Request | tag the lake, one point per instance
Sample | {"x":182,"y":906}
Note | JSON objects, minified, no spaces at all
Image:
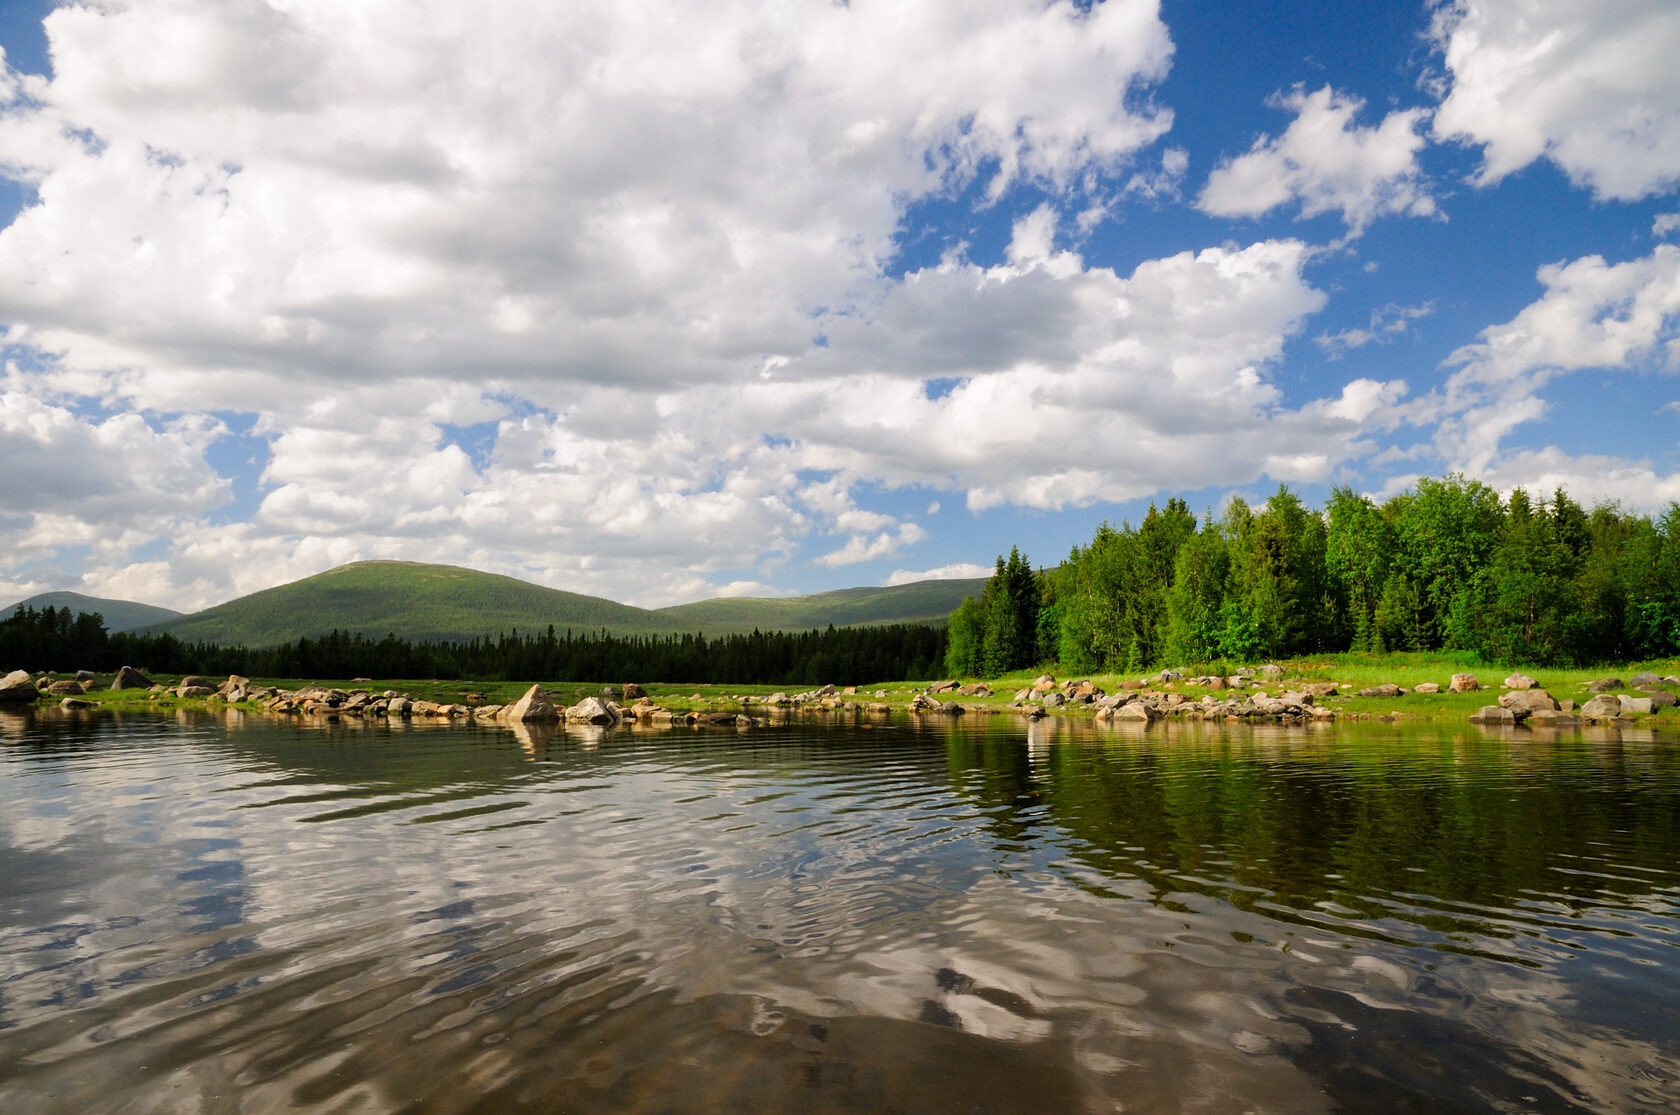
{"x":222,"y":913}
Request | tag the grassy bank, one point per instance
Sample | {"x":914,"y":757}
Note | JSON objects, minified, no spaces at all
{"x":1349,"y":671}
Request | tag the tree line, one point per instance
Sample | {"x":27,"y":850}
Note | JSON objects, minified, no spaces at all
{"x":58,"y":640}
{"x":1447,"y":565}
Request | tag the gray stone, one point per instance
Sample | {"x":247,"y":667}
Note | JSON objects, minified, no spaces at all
{"x":1493,"y":714}
{"x":85,"y":675}
{"x":195,"y":692}
{"x":130,"y":678}
{"x":1602,"y":707}
{"x":1635,"y":706}
{"x":1605,"y":685}
{"x":1662,"y":698}
{"x":535,"y":707}
{"x":1643,"y":678}
{"x":17,"y":689}
{"x":1387,"y":689}
{"x":1137,"y":712}
{"x":1523,"y":701}
{"x":591,"y":710}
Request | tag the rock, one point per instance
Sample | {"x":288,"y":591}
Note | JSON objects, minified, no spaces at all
{"x":921,"y":702}
{"x":1137,"y":712}
{"x":74,"y":703}
{"x":944,"y":687}
{"x":1635,"y":706}
{"x":1639,"y":679}
{"x":1603,"y":707}
{"x":195,"y":692}
{"x":65,"y":689}
{"x":590,"y":710}
{"x":978,"y":689}
{"x":1023,"y":695}
{"x":1271,"y":671}
{"x":193,"y":681}
{"x":1463,"y":683}
{"x":1520,"y":681}
{"x":1054,"y":700}
{"x":1524,"y":701}
{"x":1662,"y":698}
{"x":1167,"y":677}
{"x":828,"y":691}
{"x":1321,"y":689}
{"x":1428,"y":687}
{"x":535,"y":707}
{"x":130,"y":678}
{"x":399,"y":706}
{"x":1604,"y":685}
{"x":88,"y":675}
{"x":1387,"y":689}
{"x":1493,"y":714}
{"x":1044,"y":681}
{"x":1548,"y":718}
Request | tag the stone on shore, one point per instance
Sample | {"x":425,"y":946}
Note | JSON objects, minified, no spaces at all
{"x":1643,"y":678}
{"x":633,"y":692}
{"x":130,"y":678}
{"x":1428,"y":687}
{"x":1662,"y":698}
{"x":1137,"y":712}
{"x":65,"y":689}
{"x":1604,"y":685}
{"x":1387,"y":689}
{"x":1605,"y":706}
{"x":1524,"y":701}
{"x":1463,"y":683}
{"x":74,"y":704}
{"x":535,"y":707}
{"x":1520,"y":681}
{"x":18,"y":688}
{"x":1635,"y":706}
{"x":590,"y":710}
{"x":1494,"y":715}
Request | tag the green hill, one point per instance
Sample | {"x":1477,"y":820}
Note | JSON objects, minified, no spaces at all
{"x":120,"y":615}
{"x":417,"y":601}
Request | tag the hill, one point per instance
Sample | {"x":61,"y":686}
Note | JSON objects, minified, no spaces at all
{"x":444,"y":602}
{"x":120,"y":615}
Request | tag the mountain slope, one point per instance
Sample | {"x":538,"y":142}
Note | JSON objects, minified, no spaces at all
{"x":120,"y":615}
{"x":416,"y":601}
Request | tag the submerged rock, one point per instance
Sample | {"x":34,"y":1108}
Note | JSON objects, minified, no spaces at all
{"x":1493,"y":714}
{"x":591,"y":710}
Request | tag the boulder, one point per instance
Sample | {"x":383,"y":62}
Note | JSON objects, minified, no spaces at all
{"x":1271,"y":671}
{"x":88,"y":675}
{"x":1463,"y":683}
{"x":1054,"y":699}
{"x":590,"y":710}
{"x":633,"y":692}
{"x":65,"y":689}
{"x":1603,"y":707}
{"x":1428,"y":687}
{"x":72,"y":704}
{"x":1493,"y":714}
{"x":194,"y":692}
{"x":1137,"y":712}
{"x":18,"y":688}
{"x":1643,"y":678}
{"x":193,"y":681}
{"x":1662,"y":698}
{"x":921,"y":702}
{"x":944,"y":687}
{"x":130,"y":678}
{"x":1524,"y":701}
{"x":1320,"y":689}
{"x":1167,"y":677}
{"x":1387,"y":689}
{"x":1635,"y":706}
{"x":1605,"y":685}
{"x":234,"y":684}
{"x":1549,"y":718}
{"x":1520,"y":681}
{"x":535,"y":707}
{"x":978,"y":689}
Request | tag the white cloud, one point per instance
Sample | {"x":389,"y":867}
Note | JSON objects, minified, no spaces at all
{"x":861,"y":548}
{"x":961,"y":571}
{"x":1329,"y":164}
{"x":1593,"y":87}
{"x":1665,"y":223}
{"x":1387,"y":323}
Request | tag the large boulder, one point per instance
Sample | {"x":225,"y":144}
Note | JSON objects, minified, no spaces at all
{"x":18,"y":688}
{"x":1520,"y":681}
{"x":1137,"y":712}
{"x":1604,"y":685}
{"x":535,"y":707}
{"x":65,"y":689}
{"x":1643,"y":678}
{"x":1387,"y":689}
{"x":1494,"y":715}
{"x":1603,"y":707}
{"x":1463,"y":683}
{"x":130,"y":678}
{"x":633,"y":692}
{"x":1524,"y":701}
{"x":590,"y":710}
{"x":1635,"y":706}
{"x":1662,"y":698}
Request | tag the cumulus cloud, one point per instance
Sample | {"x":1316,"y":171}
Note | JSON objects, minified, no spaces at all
{"x":960,"y":571}
{"x":1593,"y":87}
{"x":1328,"y":163}
{"x":1387,"y":323}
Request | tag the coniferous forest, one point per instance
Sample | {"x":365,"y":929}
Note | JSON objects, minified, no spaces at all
{"x":55,"y":639}
{"x":1447,"y":565}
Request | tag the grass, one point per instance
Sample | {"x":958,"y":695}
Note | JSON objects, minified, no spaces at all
{"x":1350,"y":671}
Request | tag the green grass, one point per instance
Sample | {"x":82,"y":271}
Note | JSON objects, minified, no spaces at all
{"x":441,"y":602}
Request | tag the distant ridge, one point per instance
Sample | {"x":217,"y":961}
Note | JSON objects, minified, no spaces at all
{"x":120,"y":615}
{"x":417,"y":601}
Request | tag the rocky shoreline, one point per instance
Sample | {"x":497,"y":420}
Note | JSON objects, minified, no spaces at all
{"x":1261,"y":694}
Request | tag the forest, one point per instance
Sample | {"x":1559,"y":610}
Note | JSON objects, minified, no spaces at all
{"x":1447,"y":565}
{"x":55,"y":639}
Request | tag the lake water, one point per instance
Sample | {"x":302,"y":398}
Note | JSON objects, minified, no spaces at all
{"x":214,"y":914}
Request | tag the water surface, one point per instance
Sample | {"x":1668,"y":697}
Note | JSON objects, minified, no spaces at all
{"x":230,"y":914}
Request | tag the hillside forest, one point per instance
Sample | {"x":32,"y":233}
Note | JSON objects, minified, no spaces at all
{"x":1447,"y":565}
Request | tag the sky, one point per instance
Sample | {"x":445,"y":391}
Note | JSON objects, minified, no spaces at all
{"x":665,"y":301}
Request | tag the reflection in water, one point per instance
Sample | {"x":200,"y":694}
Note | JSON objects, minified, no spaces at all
{"x":209,"y":913}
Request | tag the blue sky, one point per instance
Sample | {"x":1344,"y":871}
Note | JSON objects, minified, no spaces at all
{"x":660,"y":304}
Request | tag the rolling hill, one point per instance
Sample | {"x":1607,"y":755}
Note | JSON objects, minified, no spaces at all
{"x":417,"y":601}
{"x":120,"y":615}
